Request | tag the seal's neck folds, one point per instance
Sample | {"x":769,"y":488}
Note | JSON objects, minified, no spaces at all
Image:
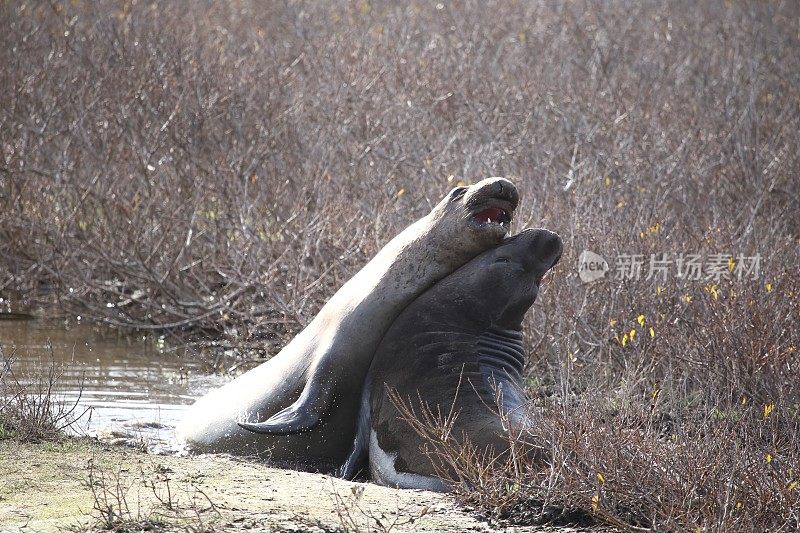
{"x":501,"y":357}
{"x":501,"y":352}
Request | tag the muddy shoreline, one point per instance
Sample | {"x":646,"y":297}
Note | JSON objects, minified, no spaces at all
{"x":86,"y":485}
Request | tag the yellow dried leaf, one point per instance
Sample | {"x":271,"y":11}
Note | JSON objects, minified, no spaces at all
{"x":712,"y":289}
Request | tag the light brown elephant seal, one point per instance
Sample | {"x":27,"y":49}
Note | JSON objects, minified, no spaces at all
{"x":451,"y":350}
{"x":320,"y":373}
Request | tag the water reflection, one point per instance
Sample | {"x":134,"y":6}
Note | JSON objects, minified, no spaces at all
{"x":133,"y":389}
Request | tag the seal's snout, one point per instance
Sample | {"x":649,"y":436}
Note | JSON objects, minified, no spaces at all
{"x":505,"y":190}
{"x":546,"y":248}
{"x":494,"y":189}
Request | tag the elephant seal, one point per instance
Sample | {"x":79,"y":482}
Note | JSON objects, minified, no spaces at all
{"x":316,"y":374}
{"x":451,"y":351}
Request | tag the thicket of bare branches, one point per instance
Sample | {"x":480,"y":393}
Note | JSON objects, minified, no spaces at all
{"x":224,"y":167}
{"x":33,"y":408}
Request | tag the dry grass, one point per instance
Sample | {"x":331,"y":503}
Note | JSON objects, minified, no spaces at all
{"x":33,"y":407}
{"x":150,"y":500}
{"x":633,"y":468}
{"x":225,"y":167}
{"x":356,"y":517}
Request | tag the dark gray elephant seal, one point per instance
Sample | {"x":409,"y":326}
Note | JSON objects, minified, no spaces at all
{"x":318,"y":373}
{"x":451,"y":350}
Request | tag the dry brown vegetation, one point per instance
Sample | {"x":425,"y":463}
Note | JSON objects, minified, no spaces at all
{"x":33,"y":408}
{"x":224,"y":167}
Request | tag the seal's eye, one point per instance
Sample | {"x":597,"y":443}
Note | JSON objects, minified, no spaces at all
{"x":457,"y":193}
{"x":502,"y":260}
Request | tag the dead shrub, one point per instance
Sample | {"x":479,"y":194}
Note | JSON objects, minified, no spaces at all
{"x":32,"y":407}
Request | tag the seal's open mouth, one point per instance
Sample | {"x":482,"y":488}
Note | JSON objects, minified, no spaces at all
{"x":493,"y":215}
{"x":490,"y":207}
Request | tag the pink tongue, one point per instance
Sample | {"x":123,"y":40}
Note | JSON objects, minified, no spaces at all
{"x":489,"y":215}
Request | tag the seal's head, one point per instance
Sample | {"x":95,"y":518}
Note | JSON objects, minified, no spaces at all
{"x":500,"y":285}
{"x":476,"y":217}
{"x":521,"y":263}
{"x":513,"y":273}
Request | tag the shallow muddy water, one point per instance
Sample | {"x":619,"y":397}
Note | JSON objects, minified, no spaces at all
{"x":133,"y":390}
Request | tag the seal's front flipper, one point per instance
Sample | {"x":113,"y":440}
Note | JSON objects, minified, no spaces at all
{"x":286,"y":422}
{"x":303,"y":415}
